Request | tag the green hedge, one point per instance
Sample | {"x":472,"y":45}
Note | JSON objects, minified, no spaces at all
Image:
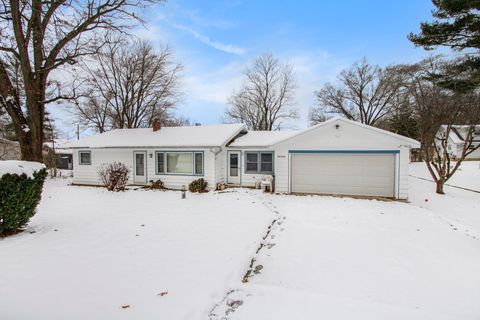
{"x":19,"y":196}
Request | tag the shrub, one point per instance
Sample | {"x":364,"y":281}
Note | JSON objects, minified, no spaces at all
{"x":114,"y":176}
{"x":199,"y":185}
{"x":19,"y":196}
{"x":156,"y":184}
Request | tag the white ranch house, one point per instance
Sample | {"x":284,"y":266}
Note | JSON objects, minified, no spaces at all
{"x":338,"y":156}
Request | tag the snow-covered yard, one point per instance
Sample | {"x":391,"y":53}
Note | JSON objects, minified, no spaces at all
{"x":335,"y":258}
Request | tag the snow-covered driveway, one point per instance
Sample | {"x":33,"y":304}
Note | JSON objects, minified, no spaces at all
{"x":95,"y":251}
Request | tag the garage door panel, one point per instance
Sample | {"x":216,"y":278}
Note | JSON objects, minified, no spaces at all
{"x":347,"y":174}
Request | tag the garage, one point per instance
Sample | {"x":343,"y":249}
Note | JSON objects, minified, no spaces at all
{"x":344,"y":172}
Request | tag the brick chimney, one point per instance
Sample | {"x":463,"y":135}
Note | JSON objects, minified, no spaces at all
{"x":156,"y":125}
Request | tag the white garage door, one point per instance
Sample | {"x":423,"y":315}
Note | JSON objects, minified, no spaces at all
{"x":344,"y":174}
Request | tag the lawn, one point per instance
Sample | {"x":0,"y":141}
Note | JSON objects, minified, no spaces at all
{"x":89,"y":252}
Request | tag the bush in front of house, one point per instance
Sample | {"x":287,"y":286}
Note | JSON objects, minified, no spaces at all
{"x":156,"y":184}
{"x":19,"y":196}
{"x":114,"y":176}
{"x":199,"y":185}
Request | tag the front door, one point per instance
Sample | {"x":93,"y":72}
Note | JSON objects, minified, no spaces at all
{"x":140,"y":167}
{"x":233,"y":167}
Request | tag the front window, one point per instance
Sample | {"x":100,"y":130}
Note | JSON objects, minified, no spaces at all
{"x":259,"y":162}
{"x":85,"y":157}
{"x":189,"y":163}
{"x":178,"y":162}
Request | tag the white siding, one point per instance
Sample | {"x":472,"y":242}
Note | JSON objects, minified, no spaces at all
{"x":348,"y":136}
{"x":88,"y":174}
{"x":221,"y":166}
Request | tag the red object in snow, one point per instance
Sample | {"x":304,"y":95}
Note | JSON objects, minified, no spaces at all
{"x":426,"y":200}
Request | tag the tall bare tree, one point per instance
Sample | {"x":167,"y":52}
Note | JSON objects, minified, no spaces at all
{"x":267,"y":95}
{"x":129,"y":85}
{"x":438,"y":109}
{"x":365,"y":93}
{"x":43,"y":36}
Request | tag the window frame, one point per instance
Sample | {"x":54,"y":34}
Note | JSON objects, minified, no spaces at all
{"x":163,"y":153}
{"x":259,"y":162}
{"x":80,"y":157}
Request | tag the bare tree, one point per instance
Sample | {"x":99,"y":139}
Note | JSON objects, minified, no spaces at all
{"x":317,"y":115}
{"x":266,"y":98}
{"x":438,"y":110}
{"x":129,"y":86}
{"x":365,"y":93}
{"x":43,"y":36}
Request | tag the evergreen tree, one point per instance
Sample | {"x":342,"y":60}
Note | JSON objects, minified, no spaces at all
{"x":456,"y":25}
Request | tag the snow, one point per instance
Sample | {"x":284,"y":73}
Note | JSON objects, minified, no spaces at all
{"x":192,"y":136}
{"x":467,"y":175}
{"x":20,"y":167}
{"x":324,"y":257}
{"x":263,"y":138}
{"x":94,"y":251}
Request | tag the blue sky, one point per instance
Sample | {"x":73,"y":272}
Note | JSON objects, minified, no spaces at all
{"x":215,"y":40}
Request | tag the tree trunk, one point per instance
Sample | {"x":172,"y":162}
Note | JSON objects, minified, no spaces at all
{"x":440,"y":184}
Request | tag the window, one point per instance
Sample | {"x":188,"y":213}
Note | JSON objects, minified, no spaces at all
{"x":266,"y":162}
{"x":198,"y":163}
{"x":179,"y":162}
{"x":85,"y":157}
{"x":259,"y":162}
{"x":160,"y":162}
{"x":189,"y":163}
{"x":252,"y":162}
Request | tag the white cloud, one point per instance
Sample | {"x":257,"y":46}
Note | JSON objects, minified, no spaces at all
{"x":228,"y":48}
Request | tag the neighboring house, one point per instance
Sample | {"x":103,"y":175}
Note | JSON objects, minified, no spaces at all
{"x":456,"y":141}
{"x":9,"y":150}
{"x":338,"y":156}
{"x":63,"y":154}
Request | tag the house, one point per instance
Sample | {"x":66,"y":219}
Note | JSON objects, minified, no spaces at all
{"x":338,"y":156}
{"x":456,"y":140}
{"x":63,"y":154}
{"x":9,"y":150}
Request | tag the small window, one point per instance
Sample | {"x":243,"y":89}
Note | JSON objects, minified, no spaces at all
{"x":266,"y":162}
{"x":252,"y":162}
{"x":160,"y":162}
{"x":199,"y":163}
{"x":85,"y":157}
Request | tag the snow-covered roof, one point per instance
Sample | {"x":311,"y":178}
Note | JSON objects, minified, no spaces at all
{"x":262,"y":138}
{"x":19,"y":167}
{"x":411,"y":142}
{"x":190,"y":136}
{"x":61,"y":146}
